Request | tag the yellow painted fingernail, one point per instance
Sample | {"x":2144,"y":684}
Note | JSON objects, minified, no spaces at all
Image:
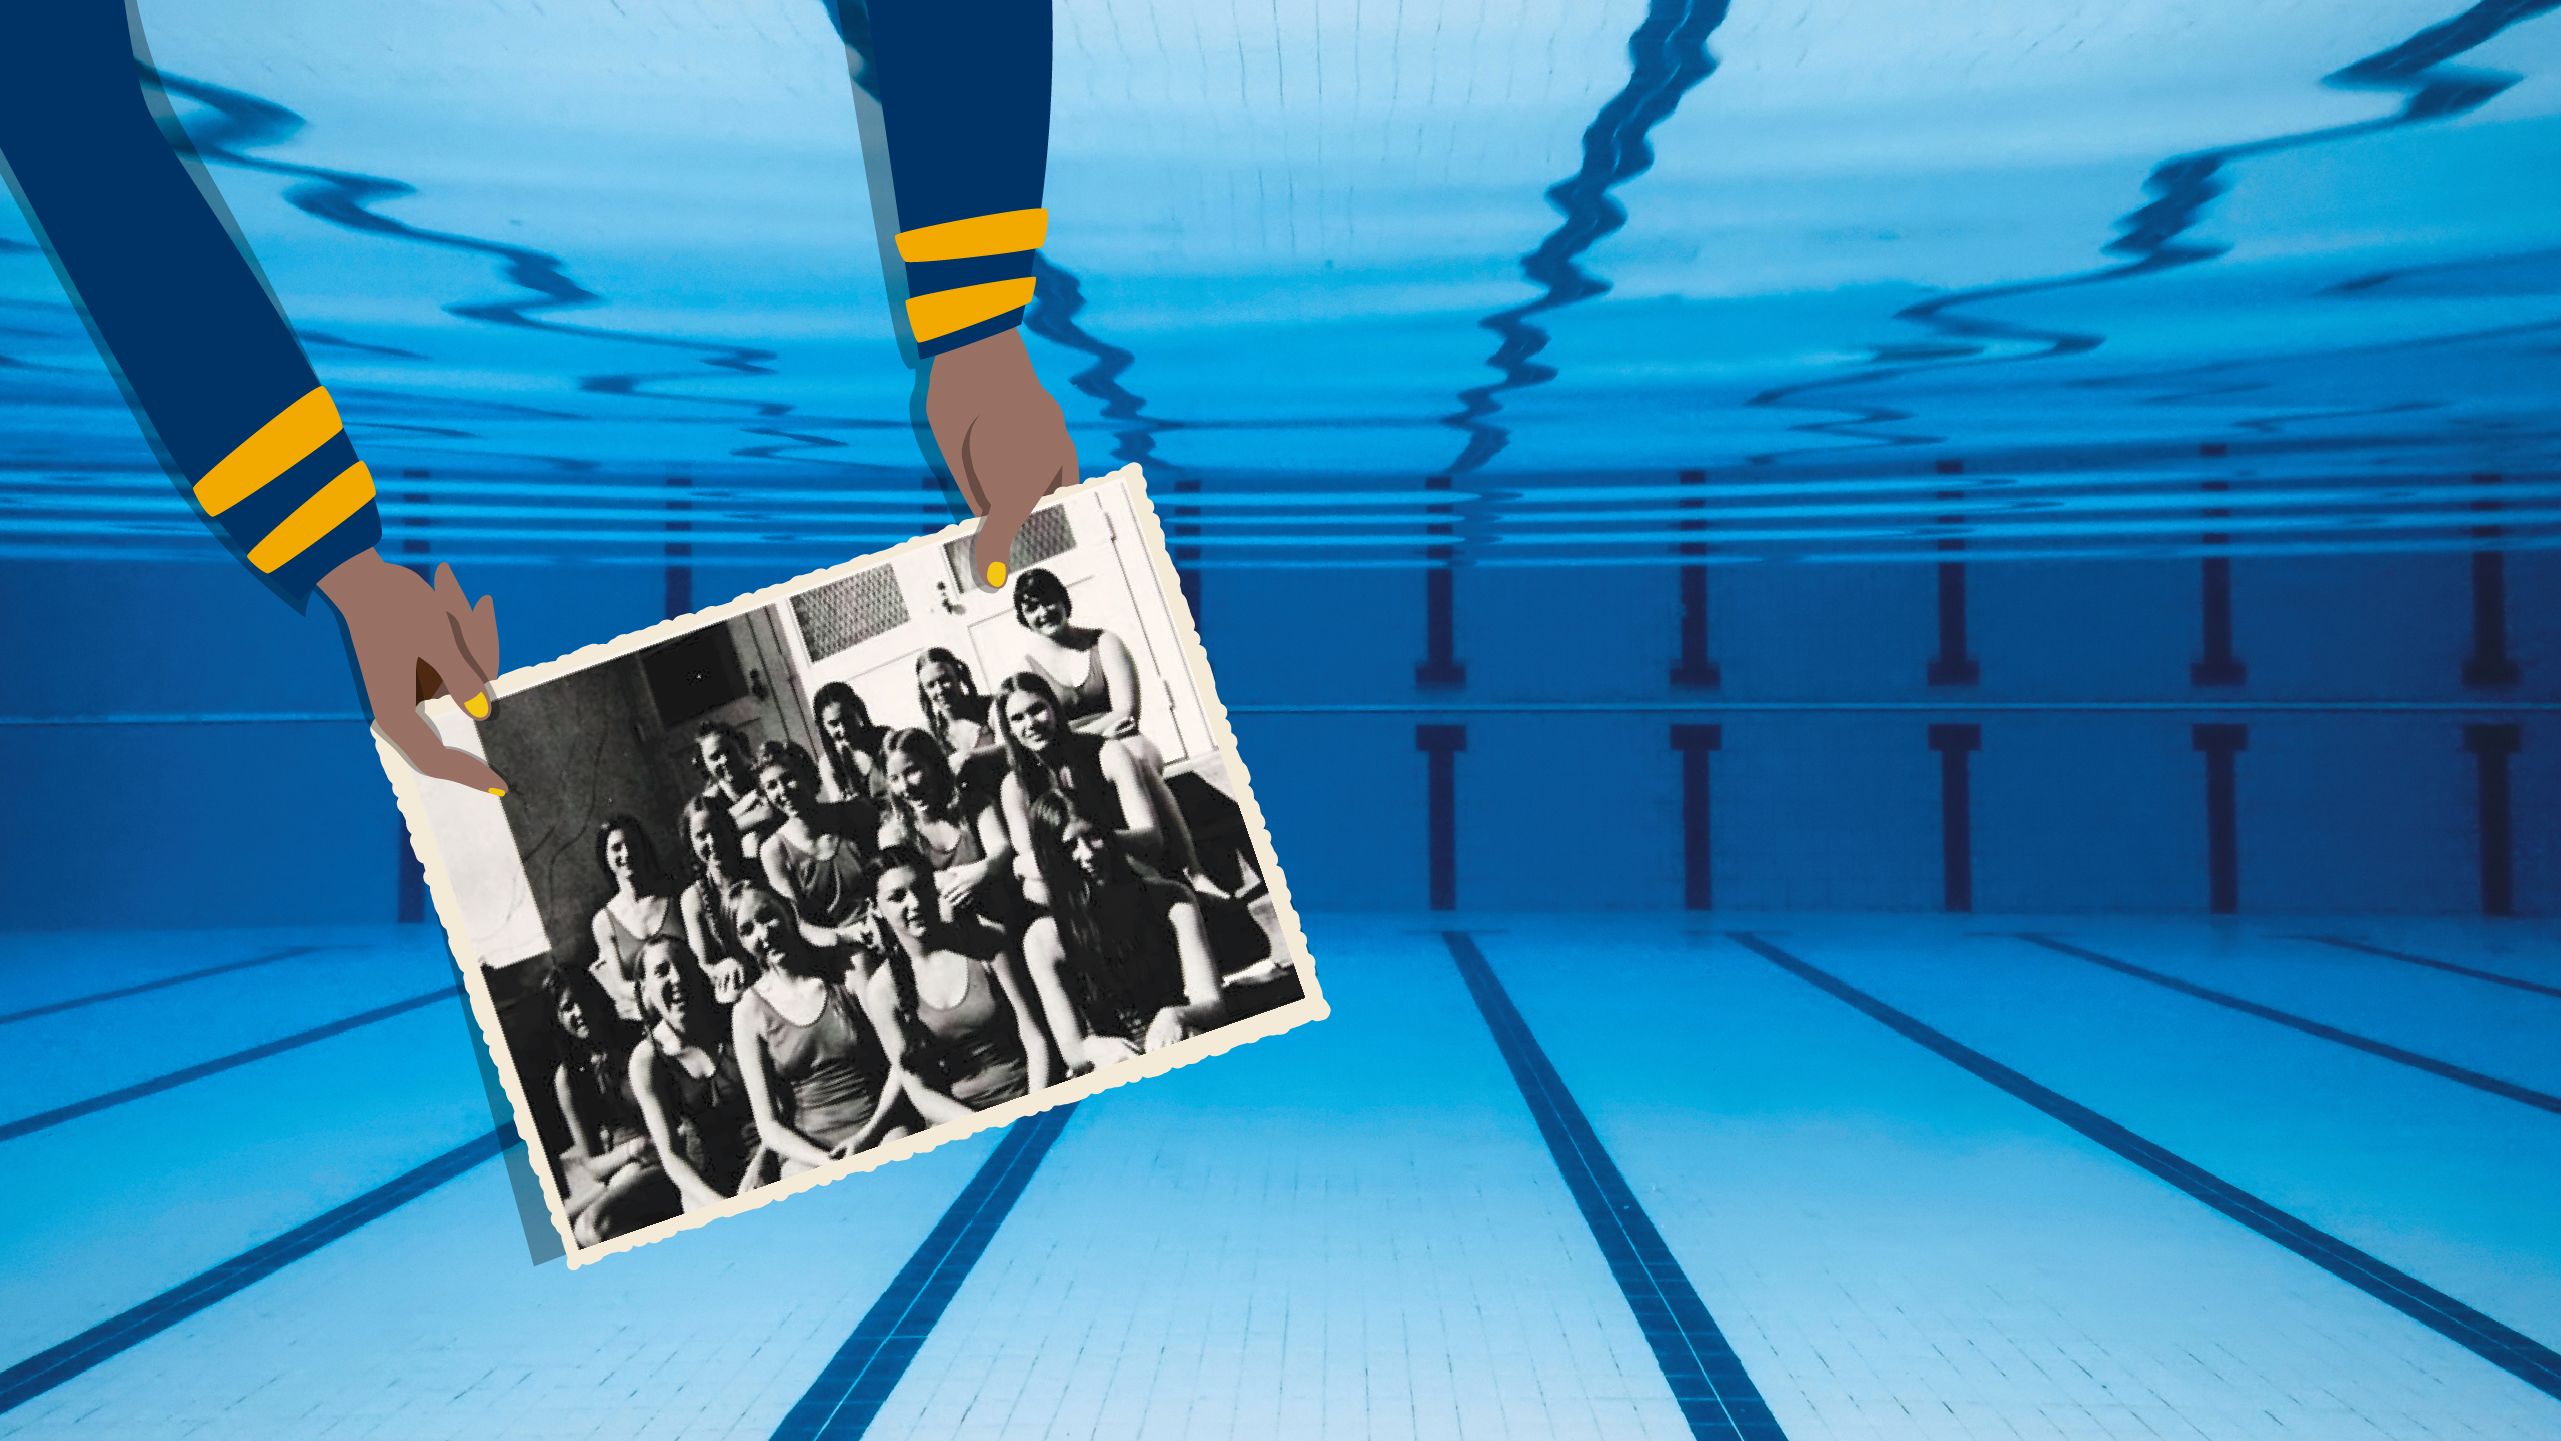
{"x":499,"y":791}
{"x":995,"y":573}
{"x":478,"y":706}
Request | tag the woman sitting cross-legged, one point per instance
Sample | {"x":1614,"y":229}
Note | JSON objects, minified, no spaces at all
{"x":963,"y":1032}
{"x":1122,"y":961}
{"x":610,"y":1175}
{"x":684,"y":1074}
{"x":819,"y":1076}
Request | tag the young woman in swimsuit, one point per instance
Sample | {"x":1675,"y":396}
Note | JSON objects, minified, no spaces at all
{"x":1122,"y":961}
{"x":720,"y":861}
{"x":819,"y":858}
{"x":729,"y":777}
{"x":643,"y":905}
{"x":819,"y":1076}
{"x":1091,"y":669}
{"x":962,"y":1030}
{"x":963,"y":839}
{"x":610,"y":1174}
{"x":684,"y":1074}
{"x":1102,"y":775}
{"x":848,"y":742}
{"x":947,"y":696}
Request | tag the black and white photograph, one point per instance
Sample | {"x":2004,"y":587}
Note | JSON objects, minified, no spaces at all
{"x":844,"y":869}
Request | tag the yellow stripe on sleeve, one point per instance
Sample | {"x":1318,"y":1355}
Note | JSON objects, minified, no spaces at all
{"x":1003,"y":233}
{"x":944,"y":311}
{"x":280,"y":444}
{"x":352,"y":491}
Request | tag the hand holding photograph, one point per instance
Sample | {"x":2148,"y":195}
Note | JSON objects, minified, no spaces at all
{"x":856,"y":865}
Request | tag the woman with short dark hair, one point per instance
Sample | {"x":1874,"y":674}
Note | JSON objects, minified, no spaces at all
{"x":684,"y":1075}
{"x":642,"y":906}
{"x":610,"y":1177}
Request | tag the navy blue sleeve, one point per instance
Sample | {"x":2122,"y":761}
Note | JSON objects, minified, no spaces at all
{"x":212,"y":371}
{"x":964,"y":99}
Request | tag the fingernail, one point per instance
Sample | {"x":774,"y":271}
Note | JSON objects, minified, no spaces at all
{"x":499,"y":791}
{"x":995,"y":573}
{"x":478,"y":706}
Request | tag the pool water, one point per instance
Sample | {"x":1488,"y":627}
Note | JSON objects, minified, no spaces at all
{"x":1905,"y":657}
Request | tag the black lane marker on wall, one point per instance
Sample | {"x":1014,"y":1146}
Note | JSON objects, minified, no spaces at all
{"x":122,"y":1332}
{"x":2491,"y":745}
{"x":1696,"y":743}
{"x":1440,"y":745}
{"x":2219,"y":665}
{"x":2489,"y":665}
{"x":1956,"y":745}
{"x":1952,"y":666}
{"x":2446,"y":1070}
{"x":2220,"y":745}
{"x":679,"y":595}
{"x":2510,"y":1350}
{"x":847,"y":1396}
{"x":264,"y":958}
{"x":2495,"y":978}
{"x":1694,"y":670}
{"x":1441,"y":668}
{"x":1716,"y":1394}
{"x":47,"y":1120}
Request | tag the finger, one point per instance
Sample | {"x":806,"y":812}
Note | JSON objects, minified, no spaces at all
{"x":416,"y":741}
{"x":462,"y":677}
{"x":478,"y":628}
{"x":1009,"y":503}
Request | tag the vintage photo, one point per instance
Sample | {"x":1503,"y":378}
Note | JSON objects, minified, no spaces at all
{"x":853,"y":866}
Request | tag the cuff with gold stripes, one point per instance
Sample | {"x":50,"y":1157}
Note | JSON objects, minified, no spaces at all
{"x":969,"y":279}
{"x":293,"y":497}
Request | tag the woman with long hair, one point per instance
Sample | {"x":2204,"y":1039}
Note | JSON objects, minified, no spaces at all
{"x":961,"y":837}
{"x":610,"y":1178}
{"x":962,"y":1030}
{"x":958,"y":716}
{"x":1104,"y":779}
{"x":642,"y":906}
{"x":1122,"y":960}
{"x":720,"y":861}
{"x":818,"y":1073}
{"x":819,"y":858}
{"x":1104,"y":694}
{"x":848,"y":743}
{"x":684,"y":1075}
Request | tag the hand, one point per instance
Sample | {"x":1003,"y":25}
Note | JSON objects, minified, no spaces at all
{"x":411,"y":641}
{"x":959,"y":887}
{"x":728,"y":979}
{"x":1166,"y":1029}
{"x":1108,"y":1051}
{"x":1002,"y":436}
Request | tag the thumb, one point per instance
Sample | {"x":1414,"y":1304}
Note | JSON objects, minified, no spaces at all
{"x":1009,"y":504}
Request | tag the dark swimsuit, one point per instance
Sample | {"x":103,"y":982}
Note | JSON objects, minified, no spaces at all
{"x":1151,"y":979}
{"x":715,"y":1125}
{"x":981,"y":1054}
{"x":834,"y":1066}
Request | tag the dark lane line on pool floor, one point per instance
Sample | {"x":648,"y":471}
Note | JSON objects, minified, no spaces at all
{"x":2447,"y":1070}
{"x":2496,"y":978}
{"x":848,"y":1393}
{"x":2502,"y":1346}
{"x":268,"y":958}
{"x":53,"y":1366}
{"x":46,"y":1120}
{"x":1716,"y":1394}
